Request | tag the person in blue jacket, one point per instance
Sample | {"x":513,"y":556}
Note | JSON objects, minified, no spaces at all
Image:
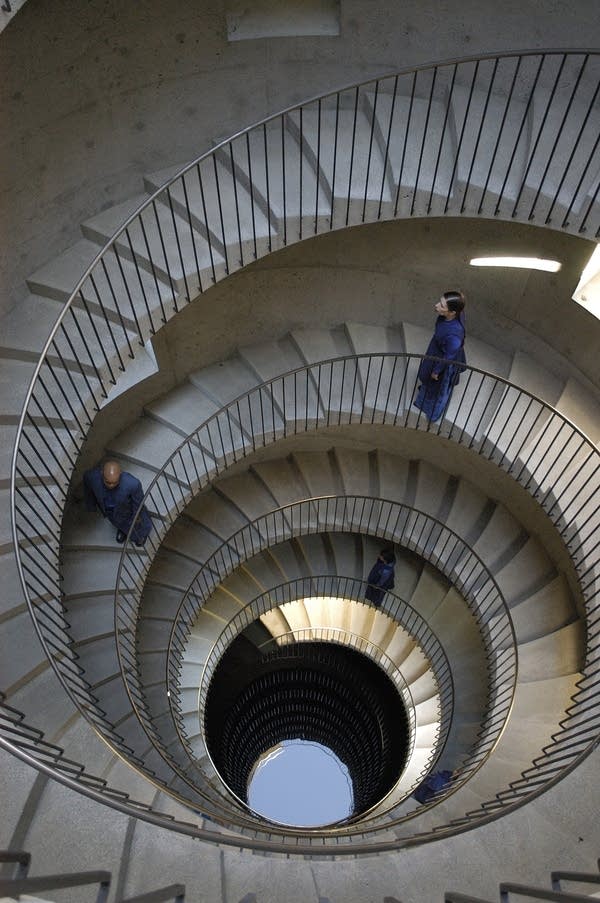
{"x":117,"y":495}
{"x":438,"y":378}
{"x":381,"y":577}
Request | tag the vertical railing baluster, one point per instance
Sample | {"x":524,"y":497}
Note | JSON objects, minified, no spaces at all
{"x":370,"y":151}
{"x":386,"y":156}
{"x":221,"y":216}
{"x":461,"y":137}
{"x":557,"y":139}
{"x":482,"y":121}
{"x":335,"y":149}
{"x":206,"y":220}
{"x":424,"y":139}
{"x":352,"y":149}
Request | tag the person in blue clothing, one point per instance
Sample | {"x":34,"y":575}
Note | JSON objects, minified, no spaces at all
{"x":438,"y":378}
{"x":381,"y":577}
{"x":432,"y":784}
{"x":117,"y":495}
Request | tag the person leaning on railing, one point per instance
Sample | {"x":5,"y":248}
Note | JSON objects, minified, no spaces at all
{"x":117,"y":495}
{"x":438,"y":377}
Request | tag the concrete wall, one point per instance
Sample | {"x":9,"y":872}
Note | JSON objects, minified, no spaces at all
{"x":95,"y":94}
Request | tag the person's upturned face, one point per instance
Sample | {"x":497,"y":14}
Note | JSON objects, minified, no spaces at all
{"x":111,"y":475}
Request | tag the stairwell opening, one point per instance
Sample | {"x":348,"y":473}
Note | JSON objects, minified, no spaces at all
{"x":301,"y":783}
{"x":317,"y":692}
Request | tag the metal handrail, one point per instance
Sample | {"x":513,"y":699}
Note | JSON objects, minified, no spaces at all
{"x":66,"y":382}
{"x":27,"y":753}
{"x":425,"y":535}
{"x":343,"y":588}
{"x":335,"y":586}
{"x":16,"y":886}
{"x":347,"y":638}
{"x":508,"y":423}
{"x":496,"y":381}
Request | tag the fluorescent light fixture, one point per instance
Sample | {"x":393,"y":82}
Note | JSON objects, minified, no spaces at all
{"x":523,"y":263}
{"x":587,"y":292}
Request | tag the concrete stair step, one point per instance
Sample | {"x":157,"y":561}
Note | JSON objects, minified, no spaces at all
{"x":555,"y":654}
{"x":183,"y":409}
{"x":318,"y":473}
{"x":225,"y":382}
{"x":173,"y":570}
{"x":407,"y":158}
{"x":248,"y":494}
{"x":99,"y":658}
{"x":354,"y":469}
{"x":382,"y":385}
{"x":202,"y":192}
{"x":423,"y":689}
{"x":58,"y":277}
{"x":529,"y":562}
{"x":472,"y":407}
{"x":319,"y":132}
{"x":160,"y":601}
{"x":282,"y":479}
{"x":480,"y":147}
{"x":162,"y":244}
{"x":543,"y":612}
{"x":216,"y":516}
{"x":146,"y":443}
{"x":90,"y":615}
{"x":349,"y":554}
{"x":429,"y":593}
{"x":501,"y":537}
{"x":153,"y":635}
{"x":315,"y":345}
{"x":427,"y":710}
{"x":316,"y":554}
{"x":25,"y":332}
{"x":89,"y":572}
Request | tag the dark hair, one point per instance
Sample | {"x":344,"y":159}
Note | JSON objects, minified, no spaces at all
{"x":388,"y":555}
{"x":455,"y":301}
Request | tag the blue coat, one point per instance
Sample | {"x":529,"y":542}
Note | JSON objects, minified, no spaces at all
{"x":433,"y":396}
{"x":380,"y":579}
{"x":448,"y":342}
{"x":126,"y":498}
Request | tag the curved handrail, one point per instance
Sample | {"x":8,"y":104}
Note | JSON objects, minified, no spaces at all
{"x":66,"y":381}
{"x":335,"y":586}
{"x":27,"y":751}
{"x":425,"y":535}
{"x":347,"y":638}
{"x":517,"y":407}
{"x":463,"y":434}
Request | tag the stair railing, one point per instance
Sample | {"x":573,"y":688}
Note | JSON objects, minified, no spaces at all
{"x":391,"y":522}
{"x":343,"y":588}
{"x":132,"y":286}
{"x":521,"y":434}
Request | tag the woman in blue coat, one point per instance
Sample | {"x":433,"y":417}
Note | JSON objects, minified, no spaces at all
{"x":438,"y":378}
{"x":117,"y":495}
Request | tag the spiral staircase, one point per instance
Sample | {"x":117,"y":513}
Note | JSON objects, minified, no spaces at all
{"x":274,"y":476}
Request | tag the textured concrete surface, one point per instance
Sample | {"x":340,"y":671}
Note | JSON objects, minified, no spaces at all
{"x":522,"y":847}
{"x":96,"y":95}
{"x":136,"y":88}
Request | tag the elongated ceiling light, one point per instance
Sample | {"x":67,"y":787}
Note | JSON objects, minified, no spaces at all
{"x":523,"y":263}
{"x":587,"y":292}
